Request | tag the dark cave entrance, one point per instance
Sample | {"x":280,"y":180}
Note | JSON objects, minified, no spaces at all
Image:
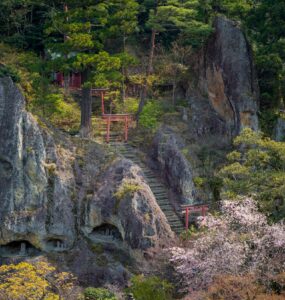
{"x":107,"y":231}
{"x":55,"y":244}
{"x":19,"y":248}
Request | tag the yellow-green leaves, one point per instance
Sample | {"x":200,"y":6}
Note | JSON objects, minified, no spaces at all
{"x":256,"y":167}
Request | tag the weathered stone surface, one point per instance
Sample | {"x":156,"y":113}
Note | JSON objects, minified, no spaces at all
{"x":136,"y":216}
{"x":57,"y":198}
{"x":36,"y":181}
{"x":279,"y":130}
{"x":166,"y":151}
{"x":226,"y":99}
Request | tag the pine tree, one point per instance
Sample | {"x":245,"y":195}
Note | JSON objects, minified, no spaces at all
{"x":178,"y":17}
{"x":76,"y":37}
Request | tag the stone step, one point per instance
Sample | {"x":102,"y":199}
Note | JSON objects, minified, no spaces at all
{"x":157,"y":186}
{"x":173,"y":220}
{"x":158,"y":189}
{"x":160,"y":195}
{"x":165,"y":207}
{"x":176,"y":223}
{"x":162,"y":199}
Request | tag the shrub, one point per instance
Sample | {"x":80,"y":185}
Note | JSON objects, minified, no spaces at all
{"x":150,"y":114}
{"x":256,"y":167}
{"x":150,"y":288}
{"x":128,"y":187}
{"x":130,"y":106}
{"x":98,"y":294}
{"x":247,"y":286}
{"x":9,"y":71}
{"x":35,"y":281}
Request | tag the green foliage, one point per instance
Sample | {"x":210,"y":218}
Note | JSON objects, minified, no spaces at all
{"x":42,"y":98}
{"x":98,"y":294}
{"x":85,"y":31}
{"x":9,"y":71}
{"x":35,"y":281}
{"x":257,"y":167}
{"x":150,"y":288}
{"x":127,"y":188}
{"x":199,"y":182}
{"x":192,"y":233}
{"x":130,"y":105}
{"x":150,"y":115}
{"x":22,"y":22}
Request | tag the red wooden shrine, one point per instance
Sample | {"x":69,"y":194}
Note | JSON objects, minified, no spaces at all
{"x":74,"y":81}
{"x":74,"y":84}
{"x":188,"y":209}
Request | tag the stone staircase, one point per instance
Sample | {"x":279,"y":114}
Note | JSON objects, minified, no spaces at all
{"x":116,"y":134}
{"x":159,"y":189}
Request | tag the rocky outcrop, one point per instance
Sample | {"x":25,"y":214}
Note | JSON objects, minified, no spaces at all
{"x":167,"y":153}
{"x":36,"y":179}
{"x":279,"y":130}
{"x":58,"y":196}
{"x":225,"y":98}
{"x":124,"y":202}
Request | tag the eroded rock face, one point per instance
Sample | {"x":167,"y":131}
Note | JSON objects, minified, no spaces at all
{"x":227,"y":81}
{"x":134,"y":218}
{"x":36,"y":177}
{"x":279,"y":130}
{"x":57,"y":194}
{"x":167,"y":151}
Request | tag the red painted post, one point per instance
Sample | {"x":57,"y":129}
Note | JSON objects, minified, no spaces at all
{"x":203,"y":211}
{"x":187,"y":218}
{"x":126,"y":129}
{"x":102,"y":103}
{"x":108,"y":129}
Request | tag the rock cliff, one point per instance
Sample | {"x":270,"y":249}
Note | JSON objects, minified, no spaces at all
{"x":58,"y":195}
{"x":167,"y":153}
{"x":224,"y":98}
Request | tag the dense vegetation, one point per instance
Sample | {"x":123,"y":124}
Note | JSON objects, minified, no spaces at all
{"x":115,"y":45}
{"x":139,"y":50}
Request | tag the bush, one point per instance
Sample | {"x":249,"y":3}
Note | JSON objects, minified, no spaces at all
{"x":128,"y":187}
{"x":238,"y":288}
{"x":9,"y":71}
{"x":34,"y":281}
{"x":130,"y":106}
{"x":256,"y":167}
{"x":150,"y":288}
{"x":98,"y":294}
{"x":150,"y":114}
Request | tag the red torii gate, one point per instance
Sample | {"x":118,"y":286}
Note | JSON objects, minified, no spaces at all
{"x":188,"y":209}
{"x":126,"y":118}
{"x":75,"y":84}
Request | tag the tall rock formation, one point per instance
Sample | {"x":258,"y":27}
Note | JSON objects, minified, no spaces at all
{"x":58,"y":195}
{"x":225,"y":98}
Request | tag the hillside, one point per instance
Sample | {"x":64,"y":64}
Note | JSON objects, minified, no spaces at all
{"x":142,"y":150}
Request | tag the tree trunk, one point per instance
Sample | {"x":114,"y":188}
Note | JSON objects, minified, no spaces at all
{"x":173,"y":93}
{"x":86,"y":107}
{"x":151,"y":54}
{"x":148,"y":73}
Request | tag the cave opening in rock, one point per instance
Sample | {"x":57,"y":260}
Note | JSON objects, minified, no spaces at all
{"x":107,"y":231}
{"x":18,"y":248}
{"x":55,"y":244}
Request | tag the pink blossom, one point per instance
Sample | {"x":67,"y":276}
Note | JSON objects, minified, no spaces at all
{"x":237,"y":242}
